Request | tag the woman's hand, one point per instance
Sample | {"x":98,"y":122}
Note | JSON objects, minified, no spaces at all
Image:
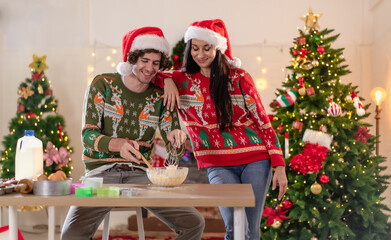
{"x":127,"y":149}
{"x":177,"y":137}
{"x":171,"y":94}
{"x":279,"y":178}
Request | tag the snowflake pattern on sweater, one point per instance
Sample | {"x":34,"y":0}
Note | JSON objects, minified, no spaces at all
{"x":111,"y":110}
{"x":251,"y":138}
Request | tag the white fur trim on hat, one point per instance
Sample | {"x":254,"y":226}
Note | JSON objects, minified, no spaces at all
{"x":150,"y":41}
{"x":317,"y":137}
{"x":124,"y":68}
{"x":209,"y":36}
{"x":235,"y":62}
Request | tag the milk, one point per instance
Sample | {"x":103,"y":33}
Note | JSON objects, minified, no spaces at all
{"x":29,"y":156}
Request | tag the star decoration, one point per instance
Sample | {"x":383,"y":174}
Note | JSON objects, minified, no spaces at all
{"x":26,"y":92}
{"x":38,"y":64}
{"x":311,"y":20}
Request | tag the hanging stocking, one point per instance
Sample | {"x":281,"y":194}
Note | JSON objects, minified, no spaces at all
{"x":314,"y":152}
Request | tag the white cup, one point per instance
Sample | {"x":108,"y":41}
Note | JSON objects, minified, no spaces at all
{"x":94,"y":182}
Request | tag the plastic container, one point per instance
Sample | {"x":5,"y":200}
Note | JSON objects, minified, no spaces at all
{"x":29,"y":156}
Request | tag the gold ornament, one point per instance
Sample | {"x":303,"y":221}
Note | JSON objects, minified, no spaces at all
{"x":316,"y":188}
{"x":315,"y":63}
{"x":311,"y":20}
{"x":276,"y":224}
{"x":314,"y":238}
{"x":306,"y":65}
{"x":302,"y":91}
{"x":53,"y":102}
{"x":26,"y":92}
{"x":295,"y":63}
{"x":348,"y":98}
{"x":38,"y":64}
{"x":40,"y":89}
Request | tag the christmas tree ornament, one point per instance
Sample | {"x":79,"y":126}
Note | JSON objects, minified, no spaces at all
{"x":362,"y":134}
{"x":276,"y":224}
{"x":287,"y":99}
{"x":311,"y":20}
{"x":310,"y":91}
{"x":20,"y":108}
{"x":287,"y":204}
{"x":300,"y":40}
{"x":314,"y":238}
{"x":316,"y":188}
{"x":316,"y":38}
{"x":38,"y":64}
{"x":30,"y":115}
{"x":297,"y":125}
{"x":334,"y":109}
{"x":348,"y":99}
{"x":323,"y":129}
{"x":302,"y":86}
{"x":274,"y":215}
{"x":49,"y":91}
{"x":315,"y":63}
{"x":26,"y":92}
{"x":302,"y":52}
{"x":324,"y":178}
{"x":40,"y":89}
{"x":314,"y":152}
{"x":320,"y":49}
{"x":279,"y":128}
{"x":358,"y":104}
{"x":36,"y":76}
{"x":306,"y":65}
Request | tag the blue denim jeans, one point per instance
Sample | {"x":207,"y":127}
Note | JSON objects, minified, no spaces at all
{"x":259,"y":175}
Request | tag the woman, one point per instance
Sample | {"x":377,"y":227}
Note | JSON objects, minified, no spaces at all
{"x":230,"y":131}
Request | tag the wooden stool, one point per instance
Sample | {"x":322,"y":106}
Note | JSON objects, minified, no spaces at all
{"x":140,"y":225}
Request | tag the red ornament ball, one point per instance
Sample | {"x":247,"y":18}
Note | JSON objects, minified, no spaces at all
{"x":287,"y":204}
{"x":320,"y":49}
{"x":324,"y":178}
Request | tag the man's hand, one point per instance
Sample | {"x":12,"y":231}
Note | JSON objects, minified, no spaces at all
{"x":177,"y":137}
{"x":127,"y":149}
{"x":279,"y":178}
{"x":171,"y":94}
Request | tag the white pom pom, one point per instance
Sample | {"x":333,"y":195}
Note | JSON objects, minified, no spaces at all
{"x":124,"y":68}
{"x":235,"y":62}
{"x":360,"y":111}
{"x":317,"y":137}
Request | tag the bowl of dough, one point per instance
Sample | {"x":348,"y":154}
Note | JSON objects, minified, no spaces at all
{"x":169,"y":176}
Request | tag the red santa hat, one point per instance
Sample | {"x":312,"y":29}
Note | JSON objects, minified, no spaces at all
{"x":140,"y":39}
{"x":214,"y":33}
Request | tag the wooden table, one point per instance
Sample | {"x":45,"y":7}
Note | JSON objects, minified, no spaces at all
{"x":238,"y":196}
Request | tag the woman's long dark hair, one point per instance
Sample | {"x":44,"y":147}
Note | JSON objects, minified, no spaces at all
{"x":219,"y":83}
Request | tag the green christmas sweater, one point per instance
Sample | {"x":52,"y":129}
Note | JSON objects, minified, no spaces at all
{"x":251,"y":138}
{"x":112,"y":110}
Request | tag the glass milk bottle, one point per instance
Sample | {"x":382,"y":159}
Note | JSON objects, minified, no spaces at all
{"x":29,"y":156}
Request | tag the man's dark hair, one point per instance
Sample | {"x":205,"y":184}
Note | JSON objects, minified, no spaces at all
{"x":165,"y":62}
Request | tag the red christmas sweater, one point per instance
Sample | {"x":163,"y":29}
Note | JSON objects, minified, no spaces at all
{"x":251,"y":138}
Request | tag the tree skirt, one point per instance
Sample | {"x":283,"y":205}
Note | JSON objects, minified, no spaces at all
{"x":133,"y":235}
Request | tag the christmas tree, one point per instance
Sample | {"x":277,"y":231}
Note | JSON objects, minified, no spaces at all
{"x":37,"y":110}
{"x":335,"y":180}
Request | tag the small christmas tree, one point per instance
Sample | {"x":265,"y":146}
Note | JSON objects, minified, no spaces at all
{"x":335,"y":180}
{"x":177,"y":54}
{"x":37,"y":110}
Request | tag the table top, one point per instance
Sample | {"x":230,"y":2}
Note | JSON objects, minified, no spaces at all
{"x":185,"y":195}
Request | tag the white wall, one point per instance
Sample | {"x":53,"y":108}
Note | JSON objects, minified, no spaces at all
{"x":69,"y":31}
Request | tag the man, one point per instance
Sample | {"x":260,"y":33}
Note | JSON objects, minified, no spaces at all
{"x":121,"y":113}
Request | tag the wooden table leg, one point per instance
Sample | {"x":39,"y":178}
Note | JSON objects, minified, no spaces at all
{"x":13,"y":222}
{"x":239,"y":223}
{"x":51,"y":222}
